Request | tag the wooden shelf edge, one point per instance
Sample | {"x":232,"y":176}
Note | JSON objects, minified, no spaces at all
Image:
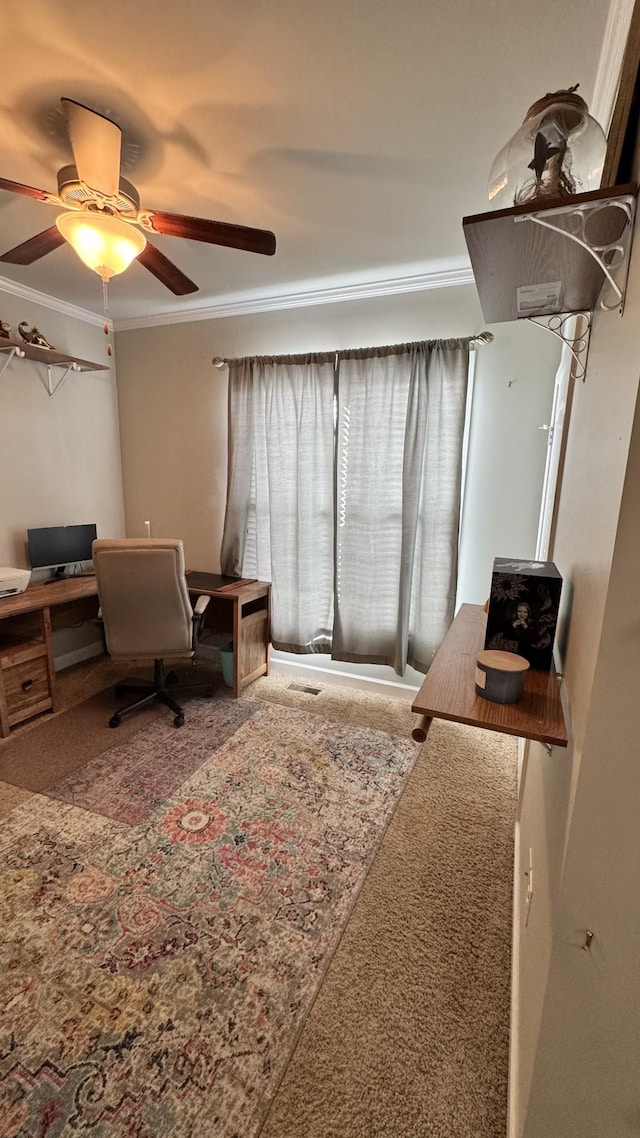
{"x":49,"y":356}
{"x":552,"y":740}
{"x":605,"y":193}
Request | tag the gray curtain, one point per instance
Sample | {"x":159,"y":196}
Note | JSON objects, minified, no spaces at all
{"x":344,"y":491}
{"x":280,"y":494}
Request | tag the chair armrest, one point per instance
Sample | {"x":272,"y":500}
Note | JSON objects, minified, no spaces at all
{"x":200,"y":605}
{"x":197,"y":620}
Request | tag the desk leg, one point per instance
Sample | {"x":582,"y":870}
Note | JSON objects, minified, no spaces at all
{"x":237,"y":646}
{"x":5,"y":730}
{"x":51,"y":668}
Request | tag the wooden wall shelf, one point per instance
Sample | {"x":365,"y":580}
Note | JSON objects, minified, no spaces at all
{"x":449,"y":690}
{"x":19,"y":349}
{"x":555,"y":249}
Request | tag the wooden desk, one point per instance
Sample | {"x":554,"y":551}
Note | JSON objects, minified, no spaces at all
{"x":448,"y":691}
{"x":243,"y":613}
{"x":27,"y":670}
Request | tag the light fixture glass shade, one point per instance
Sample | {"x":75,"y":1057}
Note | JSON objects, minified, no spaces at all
{"x":105,"y":243}
{"x":558,"y":151}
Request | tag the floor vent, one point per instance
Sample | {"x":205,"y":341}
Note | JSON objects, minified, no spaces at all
{"x":304,"y":688}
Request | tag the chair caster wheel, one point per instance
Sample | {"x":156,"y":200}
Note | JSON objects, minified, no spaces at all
{"x":115,"y":720}
{"x":171,"y":678}
{"x":179,"y":721}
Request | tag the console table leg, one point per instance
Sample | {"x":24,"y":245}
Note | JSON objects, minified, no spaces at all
{"x":421,"y":729}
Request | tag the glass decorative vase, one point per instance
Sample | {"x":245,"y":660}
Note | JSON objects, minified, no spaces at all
{"x":558,"y":151}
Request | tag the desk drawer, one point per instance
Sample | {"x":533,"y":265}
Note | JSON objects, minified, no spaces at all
{"x":26,"y":689}
{"x":14,"y":651}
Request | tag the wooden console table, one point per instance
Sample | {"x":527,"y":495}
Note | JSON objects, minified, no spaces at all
{"x":448,"y":691}
{"x":27,"y":671}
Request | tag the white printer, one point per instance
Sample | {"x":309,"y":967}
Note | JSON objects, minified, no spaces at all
{"x":13,"y":580}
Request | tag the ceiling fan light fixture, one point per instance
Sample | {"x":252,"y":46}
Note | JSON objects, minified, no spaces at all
{"x":105,"y":243}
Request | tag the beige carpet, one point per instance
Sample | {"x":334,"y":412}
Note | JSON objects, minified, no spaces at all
{"x":408,"y":1036}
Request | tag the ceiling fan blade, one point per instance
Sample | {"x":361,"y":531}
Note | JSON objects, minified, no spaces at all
{"x":28,"y":191}
{"x":165,"y":271}
{"x":35,"y":248}
{"x":95,"y":141}
{"x":215,"y":232}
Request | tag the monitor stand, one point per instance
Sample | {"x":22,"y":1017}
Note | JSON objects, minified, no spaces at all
{"x":59,"y":575}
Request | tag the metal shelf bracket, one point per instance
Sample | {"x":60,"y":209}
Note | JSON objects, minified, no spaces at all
{"x":11,"y":352}
{"x":52,"y":387}
{"x":612,"y":257}
{"x":576,"y":336}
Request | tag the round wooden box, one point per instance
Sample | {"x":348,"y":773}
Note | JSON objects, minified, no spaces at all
{"x":500,"y":676}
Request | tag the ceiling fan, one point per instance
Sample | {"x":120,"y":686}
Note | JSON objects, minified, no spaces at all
{"x":103,"y":220}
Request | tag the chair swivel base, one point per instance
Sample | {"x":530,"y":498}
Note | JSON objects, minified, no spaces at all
{"x":156,"y":689}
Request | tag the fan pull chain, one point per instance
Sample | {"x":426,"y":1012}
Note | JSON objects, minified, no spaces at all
{"x":105,"y":326}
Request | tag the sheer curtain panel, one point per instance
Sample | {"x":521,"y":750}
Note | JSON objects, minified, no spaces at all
{"x":399,"y":454}
{"x":280,"y":495}
{"x":344,"y":491}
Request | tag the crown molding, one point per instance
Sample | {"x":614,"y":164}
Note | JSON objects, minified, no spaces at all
{"x":44,"y":298}
{"x":244,"y":305}
{"x":607,"y":79}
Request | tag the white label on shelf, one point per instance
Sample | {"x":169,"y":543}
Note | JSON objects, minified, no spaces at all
{"x":481,"y":678}
{"x":538,"y":296}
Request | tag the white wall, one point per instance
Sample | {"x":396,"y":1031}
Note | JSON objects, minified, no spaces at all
{"x":585,"y":1075}
{"x":174,"y":420}
{"x":60,"y":456}
{"x":507,"y":452}
{"x":577,"y":1052}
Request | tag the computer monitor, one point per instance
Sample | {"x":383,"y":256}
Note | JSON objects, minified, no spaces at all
{"x":56,"y":547}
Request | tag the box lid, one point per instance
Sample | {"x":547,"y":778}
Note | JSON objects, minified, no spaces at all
{"x":530,"y":568}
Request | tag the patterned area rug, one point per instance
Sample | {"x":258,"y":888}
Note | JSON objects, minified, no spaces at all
{"x":169,"y":911}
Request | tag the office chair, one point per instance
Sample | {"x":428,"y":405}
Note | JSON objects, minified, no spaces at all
{"x":147,"y":612}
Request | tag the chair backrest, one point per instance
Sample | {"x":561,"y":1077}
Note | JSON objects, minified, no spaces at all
{"x":144,"y":597}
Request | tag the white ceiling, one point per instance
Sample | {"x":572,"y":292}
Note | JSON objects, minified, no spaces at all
{"x":359,"y":131}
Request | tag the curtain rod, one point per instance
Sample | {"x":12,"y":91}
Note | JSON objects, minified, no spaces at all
{"x":475,"y":342}
{"x":480,"y":339}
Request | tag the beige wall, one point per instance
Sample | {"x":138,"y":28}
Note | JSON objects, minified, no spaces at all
{"x":577,"y":1049}
{"x":174,"y":406}
{"x":59,"y":457}
{"x":174,"y":402}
